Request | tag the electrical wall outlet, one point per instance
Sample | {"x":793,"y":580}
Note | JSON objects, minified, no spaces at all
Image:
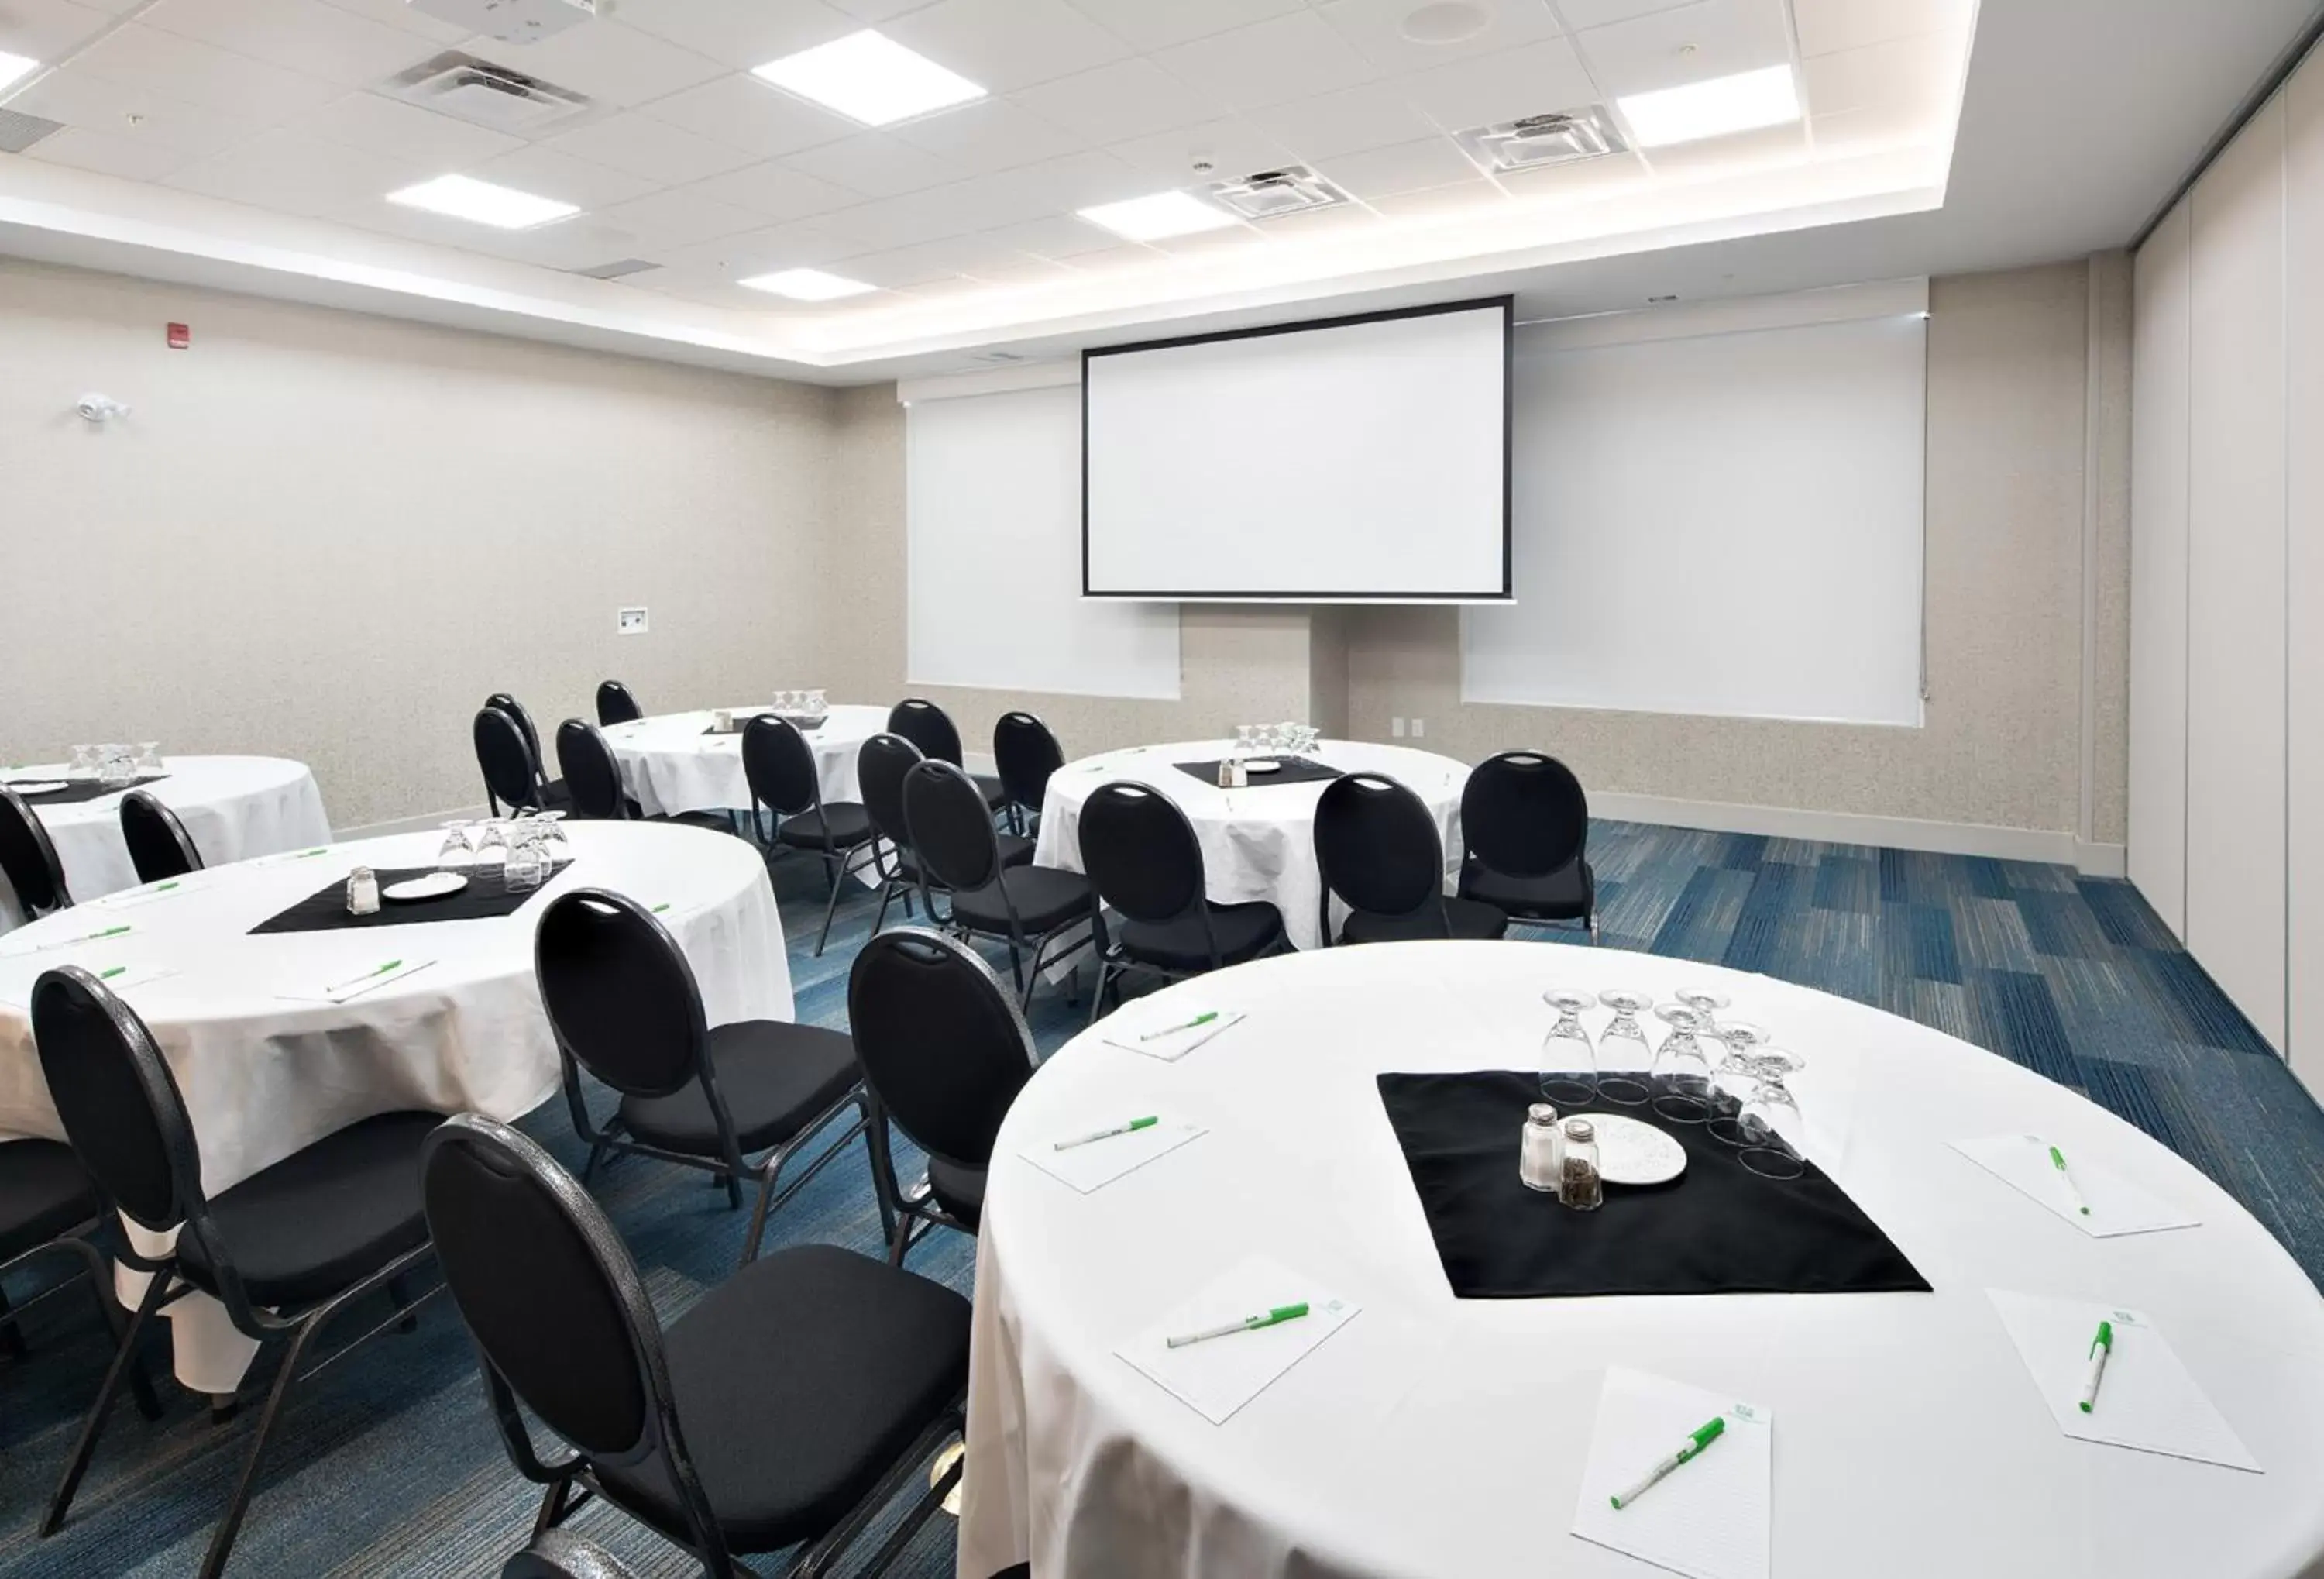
{"x":630,"y":622}
{"x":1396,"y":728}
{"x":1416,"y":730}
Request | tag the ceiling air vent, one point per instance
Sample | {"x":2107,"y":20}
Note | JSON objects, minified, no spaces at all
{"x":19,"y":131}
{"x":1541,"y":140}
{"x":513,"y":22}
{"x":1293,"y":190}
{"x":619,"y":269}
{"x":998,"y":359}
{"x":485,"y":95}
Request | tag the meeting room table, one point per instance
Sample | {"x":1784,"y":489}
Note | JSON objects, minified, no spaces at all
{"x":674,"y":762}
{"x":234,"y":808}
{"x":1346,"y":1135}
{"x":1258,"y":843}
{"x":260,"y":990}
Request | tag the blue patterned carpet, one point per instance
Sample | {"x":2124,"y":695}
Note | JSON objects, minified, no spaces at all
{"x":387,"y":1465}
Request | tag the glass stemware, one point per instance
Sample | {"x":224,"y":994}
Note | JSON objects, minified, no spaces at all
{"x":817,"y":704}
{"x":492,"y":840}
{"x":149,"y":756}
{"x":1706,"y":1002}
{"x":1681,"y":1076}
{"x":84,"y":762}
{"x":1732,"y":1082}
{"x":457,"y":849}
{"x":1774,"y":1136}
{"x":527,"y":866}
{"x":1569,"y":1068}
{"x":118,"y":769}
{"x":1624,"y":1057}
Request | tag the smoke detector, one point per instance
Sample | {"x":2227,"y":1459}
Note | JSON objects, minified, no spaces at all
{"x":1270,"y":193}
{"x":1542,"y":140}
{"x":483,"y":94}
{"x":513,"y":22}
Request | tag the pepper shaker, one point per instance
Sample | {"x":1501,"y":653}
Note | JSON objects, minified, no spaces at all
{"x":363,"y":891}
{"x":1540,"y":1149}
{"x":1580,"y":1185}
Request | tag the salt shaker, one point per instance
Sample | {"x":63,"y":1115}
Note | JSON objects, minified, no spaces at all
{"x":723,"y":721}
{"x":1540,"y":1149}
{"x":1579,"y":1183}
{"x":363,"y":891}
{"x":1226,"y":774}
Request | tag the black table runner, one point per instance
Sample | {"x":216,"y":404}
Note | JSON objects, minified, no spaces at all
{"x":1718,"y":1228}
{"x":486,"y":897}
{"x":79,"y":790}
{"x":742,"y":721}
{"x":1294,"y":770}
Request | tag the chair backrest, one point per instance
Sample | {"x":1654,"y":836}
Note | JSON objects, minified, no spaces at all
{"x":616,"y":705}
{"x":159,"y":844}
{"x":117,"y":1099}
{"x":1376,"y":844}
{"x":942,"y":1045}
{"x":927,"y":726}
{"x":501,"y":754}
{"x":620,"y":997}
{"x":592,"y":777}
{"x":880,"y":764}
{"x":501,"y":701}
{"x":1141,"y":852}
{"x":28,"y":859}
{"x":553,"y":1300}
{"x":1523,"y":813}
{"x":780,"y":765}
{"x":1025,"y":753}
{"x":950,"y":828}
{"x":559,"y":1553}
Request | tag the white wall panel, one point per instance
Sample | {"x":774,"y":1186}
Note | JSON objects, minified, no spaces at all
{"x":2158,"y":574}
{"x":2235,"y":721}
{"x":2304,"y":583}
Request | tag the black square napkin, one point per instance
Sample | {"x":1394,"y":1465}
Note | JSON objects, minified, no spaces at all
{"x":1294,"y":770}
{"x":486,"y":897}
{"x":79,"y":790}
{"x":1718,"y":1228}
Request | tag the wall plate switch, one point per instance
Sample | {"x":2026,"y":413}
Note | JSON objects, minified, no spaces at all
{"x":630,"y":622}
{"x":1416,"y":730}
{"x":1396,"y":728}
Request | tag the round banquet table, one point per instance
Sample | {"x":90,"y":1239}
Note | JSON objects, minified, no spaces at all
{"x":668,"y":765}
{"x":1258,"y":843}
{"x":1437,"y":1436}
{"x":234,"y":807}
{"x":265,"y":1069}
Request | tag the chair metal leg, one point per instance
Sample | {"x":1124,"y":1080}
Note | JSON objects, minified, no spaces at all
{"x":900,"y":1243}
{"x":766,"y":1171}
{"x":1593,"y":927}
{"x":11,"y":1335}
{"x":875,"y":1149}
{"x":887,"y":893}
{"x":222,"y":1542}
{"x":156,"y":1286}
{"x":100,"y":1283}
{"x":1106,"y":977}
{"x":552,"y":1507}
{"x":831,"y":908}
{"x":398,"y":1292}
{"x":1016,"y":967}
{"x":596,"y":1155}
{"x":734,"y":1192}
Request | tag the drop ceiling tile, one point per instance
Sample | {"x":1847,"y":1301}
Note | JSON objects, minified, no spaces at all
{"x":552,"y":174}
{"x":1057,"y":185}
{"x":1060,"y":237}
{"x":133,"y":158}
{"x":1376,"y":28}
{"x":1463,"y":198}
{"x":1234,"y":238}
{"x":1017,"y":269}
{"x":994,"y":134}
{"x":655,"y":149}
{"x":774,"y":191}
{"x":875,"y":164}
{"x":292,"y":173}
{"x":1156,"y":24}
{"x":1130,"y":99}
{"x":1864,"y":130}
{"x":395,"y":13}
{"x":743,"y":111}
{"x":1536,"y":79}
{"x":1581,"y":13}
{"x":572,"y":244}
{"x":880,"y":10}
{"x":605,"y":59}
{"x":741,"y":33}
{"x":393,"y":128}
{"x":1326,"y":224}
{"x":1735,"y":155}
{"x":316,"y":41}
{"x":679,"y":218}
{"x":1916,"y":75}
{"x":1352,"y":120}
{"x":765,"y":251}
{"x":935,"y":214}
{"x":1295,"y":56}
{"x":43,"y":30}
{"x":1582,"y":179}
{"x":173,"y":133}
{"x":203,"y":76}
{"x":1710,"y":38}
{"x":915,"y":265}
{"x":1406,"y":167}
{"x":1232,"y":145}
{"x":1826,"y":26}
{"x":1003,"y":45}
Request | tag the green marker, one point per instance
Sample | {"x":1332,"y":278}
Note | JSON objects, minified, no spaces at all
{"x":2101,"y":1347}
{"x":108,"y":932}
{"x":1248,"y":1324}
{"x":1133,"y":1125}
{"x":2073,"y":1192}
{"x":1702,"y":1438}
{"x":367,"y":975}
{"x":659,"y":909}
{"x":1202,"y":1018}
{"x":106,"y":976}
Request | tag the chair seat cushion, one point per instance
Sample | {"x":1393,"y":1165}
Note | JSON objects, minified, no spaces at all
{"x":556,"y":797}
{"x":323,"y":1218}
{"x":1015,"y":851}
{"x":958,"y":1190}
{"x":797,"y":1382}
{"x":987,"y":785}
{"x":848,"y":824}
{"x":43,"y":1191}
{"x":1564,"y":895}
{"x":1243,"y":931}
{"x":1045,"y":898}
{"x":716,"y":822}
{"x":776,"y":1078}
{"x":1469,"y":918}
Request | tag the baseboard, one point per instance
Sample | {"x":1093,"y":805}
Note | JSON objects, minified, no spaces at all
{"x":407,"y":825}
{"x":2101,"y":860}
{"x":2059,"y":848}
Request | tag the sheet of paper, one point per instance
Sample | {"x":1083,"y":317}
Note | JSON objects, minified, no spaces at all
{"x":72,"y":939}
{"x":1131,"y":1035}
{"x":123,"y":979}
{"x":2146,"y":1399}
{"x":132,"y":898}
{"x":1098,"y":1163}
{"x":1218,"y":1377}
{"x":290,"y":855}
{"x":2117,"y":1205}
{"x":349,"y":988}
{"x":1707,"y":1518}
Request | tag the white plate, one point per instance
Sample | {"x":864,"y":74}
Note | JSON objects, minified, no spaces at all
{"x":39,"y":786}
{"x":1632,"y":1153}
{"x":434,"y":886}
{"x":1262,"y":767}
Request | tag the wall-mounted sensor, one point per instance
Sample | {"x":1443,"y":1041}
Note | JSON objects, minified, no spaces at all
{"x":100,"y":409}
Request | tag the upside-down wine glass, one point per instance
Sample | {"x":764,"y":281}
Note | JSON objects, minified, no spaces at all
{"x":1624,"y":1056}
{"x":1569,"y":1068}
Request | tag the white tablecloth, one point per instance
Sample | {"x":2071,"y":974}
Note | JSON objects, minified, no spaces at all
{"x":264,"y":1075}
{"x":1259,"y":842}
{"x":669,"y":765}
{"x":234,"y":807}
{"x":1437,"y":1436}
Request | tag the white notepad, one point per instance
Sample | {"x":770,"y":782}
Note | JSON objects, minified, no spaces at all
{"x":16,"y":950}
{"x":346,"y":989}
{"x":2147,"y":1400}
{"x":1098,"y":1163}
{"x":1130,"y":1035}
{"x":2116,"y":1204}
{"x":1217,"y":1378}
{"x":1708,"y":1518}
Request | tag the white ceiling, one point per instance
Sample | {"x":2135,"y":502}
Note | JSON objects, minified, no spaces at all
{"x":241,"y":142}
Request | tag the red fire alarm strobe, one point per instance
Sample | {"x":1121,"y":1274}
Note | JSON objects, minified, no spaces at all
{"x":181,"y":337}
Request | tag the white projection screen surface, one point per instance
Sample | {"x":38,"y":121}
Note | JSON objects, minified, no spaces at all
{"x":1361,"y":459}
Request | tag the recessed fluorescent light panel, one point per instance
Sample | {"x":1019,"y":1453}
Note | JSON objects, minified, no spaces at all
{"x":1158,"y":217}
{"x":15,"y":66}
{"x":466,"y":197}
{"x":808,"y":285}
{"x":870,"y":77}
{"x":1742,"y":103}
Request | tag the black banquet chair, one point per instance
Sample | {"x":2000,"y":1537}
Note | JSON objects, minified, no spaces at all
{"x":616,"y":705}
{"x":593,"y":782}
{"x":1141,"y":852}
{"x":786,"y":1407}
{"x":159,"y":846}
{"x":550,"y":794}
{"x":28,"y":859}
{"x":623,"y":1002}
{"x":1379,"y":850}
{"x":931,"y":728}
{"x":50,"y":1205}
{"x":1026,"y":906}
{"x":1525,"y":823}
{"x":1024,"y":754}
{"x":284,"y":1251}
{"x":509,"y":780}
{"x":944,"y":1051}
{"x":881,"y":764}
{"x":780,"y":767}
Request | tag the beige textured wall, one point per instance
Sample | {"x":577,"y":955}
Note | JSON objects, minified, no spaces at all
{"x":329,"y":537}
{"x":2109,"y":602}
